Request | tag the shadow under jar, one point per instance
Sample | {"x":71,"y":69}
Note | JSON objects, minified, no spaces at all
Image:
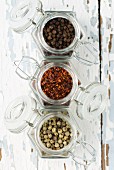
{"x":56,"y":126}
{"x":54,"y":83}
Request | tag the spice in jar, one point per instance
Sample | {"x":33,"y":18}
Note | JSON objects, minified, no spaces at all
{"x":56,"y":83}
{"x":59,"y":33}
{"x":56,"y":138}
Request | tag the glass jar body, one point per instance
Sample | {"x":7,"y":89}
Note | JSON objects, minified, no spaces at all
{"x":35,"y":84}
{"x":29,"y":14}
{"x":34,"y":133}
{"x":46,"y":50}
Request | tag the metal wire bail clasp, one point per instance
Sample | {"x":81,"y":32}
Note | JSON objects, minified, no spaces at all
{"x":82,"y":160}
{"x":40,"y":10}
{"x":86,"y":53}
{"x":26,"y":68}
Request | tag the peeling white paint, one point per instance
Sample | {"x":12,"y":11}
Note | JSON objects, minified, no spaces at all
{"x":17,"y":148}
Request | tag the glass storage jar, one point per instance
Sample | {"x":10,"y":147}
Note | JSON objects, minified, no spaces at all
{"x":24,"y":112}
{"x":29,"y":69}
{"x":91,"y":100}
{"x":30,"y":13}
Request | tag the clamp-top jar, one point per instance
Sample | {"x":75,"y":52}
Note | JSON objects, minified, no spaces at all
{"x":91,"y":100}
{"x":54,"y":82}
{"x":51,"y":34}
{"x":63,"y":132}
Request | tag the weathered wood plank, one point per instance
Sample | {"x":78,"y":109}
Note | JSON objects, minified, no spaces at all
{"x":107,"y":53}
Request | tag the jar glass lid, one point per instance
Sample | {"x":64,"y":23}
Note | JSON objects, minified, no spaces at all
{"x":19,"y":113}
{"x":24,"y":14}
{"x":93,"y":101}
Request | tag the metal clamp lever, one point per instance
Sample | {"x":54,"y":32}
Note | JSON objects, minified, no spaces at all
{"x":29,"y":62}
{"x":83,"y":60}
{"x":80,"y":160}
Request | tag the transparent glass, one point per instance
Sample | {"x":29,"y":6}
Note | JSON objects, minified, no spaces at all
{"x":68,"y":150}
{"x":24,"y":14}
{"x":34,"y":73}
{"x":42,"y":94}
{"x":73,"y":130}
{"x":39,"y":38}
{"x":18,"y":117}
{"x":19,"y":112}
{"x":30,"y":13}
{"x":91,"y":100}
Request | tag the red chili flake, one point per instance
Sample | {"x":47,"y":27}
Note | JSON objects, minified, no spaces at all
{"x":56,"y":83}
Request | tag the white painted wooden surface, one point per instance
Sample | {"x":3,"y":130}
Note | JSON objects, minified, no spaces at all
{"x":107,"y":46}
{"x":17,"y":151}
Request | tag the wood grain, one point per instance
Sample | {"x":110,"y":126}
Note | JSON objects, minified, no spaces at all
{"x":107,"y":32}
{"x":0,"y":154}
{"x":17,"y":150}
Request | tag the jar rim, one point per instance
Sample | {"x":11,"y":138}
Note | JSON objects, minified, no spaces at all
{"x":66,"y":148}
{"x":75,"y":25}
{"x":74,"y":86}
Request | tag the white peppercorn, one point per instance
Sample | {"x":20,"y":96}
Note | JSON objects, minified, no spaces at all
{"x":45,"y":136}
{"x":50,"y":135}
{"x":65,"y":137}
{"x":44,"y":132}
{"x":67,"y":133}
{"x":51,"y":141}
{"x":65,"y":143}
{"x":59,"y":123}
{"x":44,"y":128}
{"x":61,"y":145}
{"x":56,"y":145}
{"x":59,"y":130}
{"x":48,"y":145}
{"x":50,"y":127}
{"x":59,"y":141}
{"x":46,"y":140}
{"x":56,"y":134}
{"x":64,"y":129}
{"x":54,"y":130}
{"x":55,"y":138}
{"x":60,"y":136}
